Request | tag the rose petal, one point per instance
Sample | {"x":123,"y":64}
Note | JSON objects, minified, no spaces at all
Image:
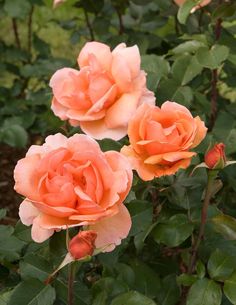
{"x":28,"y":212}
{"x":111,"y":230}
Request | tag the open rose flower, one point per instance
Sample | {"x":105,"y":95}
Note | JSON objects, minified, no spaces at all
{"x":201,"y":4}
{"x":160,"y":139}
{"x":102,"y":96}
{"x":70,"y":182}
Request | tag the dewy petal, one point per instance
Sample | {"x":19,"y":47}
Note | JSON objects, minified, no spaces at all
{"x":111,"y":230}
{"x":101,"y":51}
{"x":27,"y":212}
{"x":99,"y":130}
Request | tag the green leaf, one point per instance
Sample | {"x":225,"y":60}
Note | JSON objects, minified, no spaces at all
{"x":156,"y":68}
{"x":185,"y":68}
{"x":187,"y":47}
{"x":10,"y":246}
{"x":147,"y":281}
{"x":14,"y":135}
{"x":82,"y":294}
{"x":169,"y":291}
{"x":112,"y":286}
{"x":23,"y":232}
{"x":212,"y":58}
{"x":220,"y":265}
{"x":5,"y":297}
{"x":34,"y":266}
{"x":3,"y":213}
{"x":32,"y":292}
{"x":230,"y":288}
{"x":186,"y":279}
{"x":200,"y":269}
{"x":174,"y":231}
{"x":17,"y":8}
{"x":132,"y":298}
{"x":204,"y":292}
{"x":141,"y":213}
{"x":185,"y":10}
{"x":225,"y":225}
{"x":109,"y":144}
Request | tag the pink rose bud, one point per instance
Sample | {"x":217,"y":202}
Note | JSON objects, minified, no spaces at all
{"x":83,"y":244}
{"x":215,"y":157}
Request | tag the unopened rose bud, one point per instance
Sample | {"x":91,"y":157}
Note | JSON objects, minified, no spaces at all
{"x":83,"y":244}
{"x":215,"y":157}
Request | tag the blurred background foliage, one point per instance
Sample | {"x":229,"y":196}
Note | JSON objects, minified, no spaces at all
{"x":190,"y":59}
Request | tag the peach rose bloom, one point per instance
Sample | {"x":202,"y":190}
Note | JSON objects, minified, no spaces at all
{"x":102,"y":96}
{"x":70,"y":182}
{"x":160,"y":139}
{"x":201,"y":4}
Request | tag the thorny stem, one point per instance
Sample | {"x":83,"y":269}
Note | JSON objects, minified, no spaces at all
{"x":211,"y":177}
{"x":16,"y":34}
{"x":71,"y":278}
{"x":89,"y":25}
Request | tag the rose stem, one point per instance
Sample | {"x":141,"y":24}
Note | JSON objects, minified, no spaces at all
{"x":71,"y":277}
{"x":211,"y":177}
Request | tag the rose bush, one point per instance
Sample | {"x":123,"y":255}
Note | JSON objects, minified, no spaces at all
{"x":70,"y":182}
{"x":105,"y":93}
{"x":160,"y":139}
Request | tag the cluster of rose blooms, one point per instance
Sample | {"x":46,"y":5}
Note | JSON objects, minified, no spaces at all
{"x":70,"y":182}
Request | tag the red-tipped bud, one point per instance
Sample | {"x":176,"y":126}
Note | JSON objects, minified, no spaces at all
{"x":215,"y":157}
{"x":83,"y":244}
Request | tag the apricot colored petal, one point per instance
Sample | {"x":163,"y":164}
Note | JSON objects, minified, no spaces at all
{"x":172,"y":107}
{"x":55,"y":141}
{"x":120,"y":163}
{"x":58,"y":109}
{"x":147,"y":97}
{"x":50,"y":222}
{"x":131,"y":56}
{"x":145,"y":171}
{"x":172,"y":169}
{"x":58,"y":79}
{"x":26,"y":179}
{"x":105,"y":101}
{"x":121,"y":73}
{"x":171,"y":157}
{"x":201,"y":131}
{"x":38,"y":233}
{"x":82,"y":115}
{"x":83,"y":143}
{"x":122,"y":110}
{"x":101,"y":51}
{"x":111,"y":230}
{"x":54,"y":211}
{"x":99,"y":130}
{"x":27,"y":212}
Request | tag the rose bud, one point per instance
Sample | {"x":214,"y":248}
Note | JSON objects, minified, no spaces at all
{"x":215,"y":157}
{"x":83,"y":244}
